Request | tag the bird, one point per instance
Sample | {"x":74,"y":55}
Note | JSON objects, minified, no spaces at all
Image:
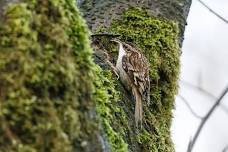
{"x":132,"y":68}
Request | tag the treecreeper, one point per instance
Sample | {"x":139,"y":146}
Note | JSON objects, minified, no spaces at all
{"x":132,"y":68}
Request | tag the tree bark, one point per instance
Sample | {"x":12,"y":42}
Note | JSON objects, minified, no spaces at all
{"x":100,"y":13}
{"x":114,"y":17}
{"x":52,"y":95}
{"x":46,"y":78}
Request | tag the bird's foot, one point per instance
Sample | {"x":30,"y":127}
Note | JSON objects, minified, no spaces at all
{"x":116,"y":73}
{"x":113,"y":68}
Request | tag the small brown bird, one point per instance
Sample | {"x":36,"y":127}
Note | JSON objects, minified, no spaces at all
{"x":133,"y":70}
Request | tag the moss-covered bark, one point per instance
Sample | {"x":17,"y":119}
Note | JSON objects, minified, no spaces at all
{"x":153,"y":27}
{"x":157,"y":39}
{"x":100,"y":13}
{"x":46,"y":79}
{"x":54,"y":98}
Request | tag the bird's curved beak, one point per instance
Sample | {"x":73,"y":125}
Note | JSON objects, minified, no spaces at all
{"x":115,"y":40}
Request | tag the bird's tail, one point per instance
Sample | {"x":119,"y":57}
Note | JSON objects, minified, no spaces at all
{"x":138,"y":108}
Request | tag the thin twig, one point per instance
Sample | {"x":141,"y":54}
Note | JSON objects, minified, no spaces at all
{"x":203,"y":122}
{"x":205,"y":92}
{"x":199,"y":89}
{"x":190,"y":108}
{"x":213,"y":12}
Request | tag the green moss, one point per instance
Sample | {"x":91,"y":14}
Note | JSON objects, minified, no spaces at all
{"x":106,"y":104}
{"x":157,"y":39}
{"x":48,"y":82}
{"x":46,"y":78}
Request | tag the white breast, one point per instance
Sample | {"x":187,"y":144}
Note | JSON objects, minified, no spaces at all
{"x":120,"y":56}
{"x":122,"y":73}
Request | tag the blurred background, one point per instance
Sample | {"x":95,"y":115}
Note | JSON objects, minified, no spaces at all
{"x":204,"y":75}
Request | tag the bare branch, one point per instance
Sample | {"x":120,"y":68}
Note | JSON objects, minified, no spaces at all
{"x":205,"y":92}
{"x":190,"y":108}
{"x":213,"y":12}
{"x":204,"y":120}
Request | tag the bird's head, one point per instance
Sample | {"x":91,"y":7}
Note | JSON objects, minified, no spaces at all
{"x":116,"y":41}
{"x":121,"y":48}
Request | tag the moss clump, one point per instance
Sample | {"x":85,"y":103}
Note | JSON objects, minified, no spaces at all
{"x":107,"y":99}
{"x":46,"y":81}
{"x":157,"y":39}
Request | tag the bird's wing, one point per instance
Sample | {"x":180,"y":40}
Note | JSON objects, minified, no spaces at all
{"x":136,"y":66}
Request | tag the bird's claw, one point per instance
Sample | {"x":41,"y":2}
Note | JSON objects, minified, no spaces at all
{"x":116,"y":73}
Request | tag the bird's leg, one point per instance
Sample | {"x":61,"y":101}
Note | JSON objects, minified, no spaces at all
{"x":113,"y":68}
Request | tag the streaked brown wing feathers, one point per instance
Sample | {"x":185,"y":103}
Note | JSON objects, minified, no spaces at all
{"x":136,"y":66}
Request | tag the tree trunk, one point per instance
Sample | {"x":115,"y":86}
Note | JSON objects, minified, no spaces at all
{"x":52,"y":95}
{"x":100,"y":13}
{"x":46,"y":78}
{"x":157,"y":29}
